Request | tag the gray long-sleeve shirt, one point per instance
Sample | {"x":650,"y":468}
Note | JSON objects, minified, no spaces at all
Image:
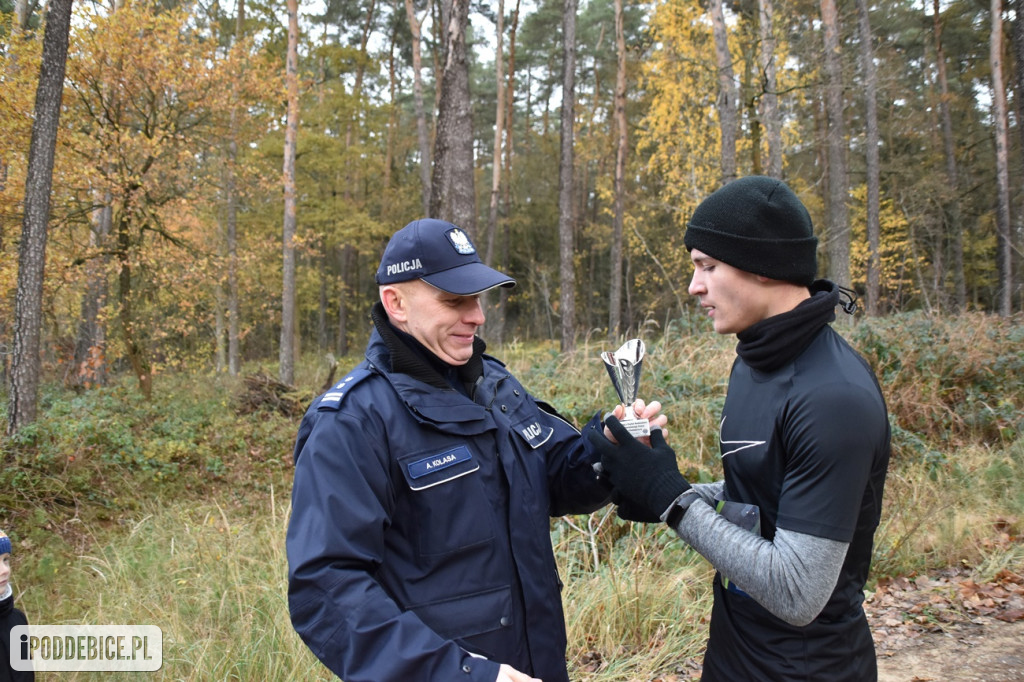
{"x":792,"y":576}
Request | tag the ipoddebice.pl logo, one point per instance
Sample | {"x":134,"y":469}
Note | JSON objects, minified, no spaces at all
{"x":86,"y":647}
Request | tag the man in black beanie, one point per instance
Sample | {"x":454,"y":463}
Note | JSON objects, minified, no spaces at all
{"x":804,"y":440}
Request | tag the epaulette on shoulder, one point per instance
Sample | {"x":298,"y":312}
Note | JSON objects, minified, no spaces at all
{"x":331,"y":400}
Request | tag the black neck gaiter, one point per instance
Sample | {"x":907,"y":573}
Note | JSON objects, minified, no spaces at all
{"x":409,"y":356}
{"x":776,"y":341}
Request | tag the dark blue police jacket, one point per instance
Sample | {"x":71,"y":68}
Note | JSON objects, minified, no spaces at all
{"x":419,"y":539}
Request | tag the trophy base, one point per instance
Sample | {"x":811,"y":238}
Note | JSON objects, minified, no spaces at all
{"x":636,"y":427}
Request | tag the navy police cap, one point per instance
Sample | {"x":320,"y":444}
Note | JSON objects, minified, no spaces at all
{"x":442,"y":255}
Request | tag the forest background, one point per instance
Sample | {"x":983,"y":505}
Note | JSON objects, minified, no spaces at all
{"x":194,"y":221}
{"x":225,"y":178}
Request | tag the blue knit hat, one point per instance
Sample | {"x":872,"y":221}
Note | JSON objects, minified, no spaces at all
{"x":5,"y":543}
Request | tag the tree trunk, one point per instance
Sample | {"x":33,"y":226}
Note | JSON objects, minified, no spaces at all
{"x":346,"y":255}
{"x":23,"y":392}
{"x":287,"y":354}
{"x":1004,"y":251}
{"x":838,"y":238}
{"x":770,"y":97}
{"x":954,"y":225}
{"x":220,"y":347}
{"x":1018,"y":52}
{"x":22,"y":13}
{"x":492,"y":300}
{"x":352,"y":172}
{"x":415,"y":26}
{"x":867,"y":59}
{"x":746,"y":85}
{"x":509,"y":107}
{"x":499,"y":134}
{"x":234,"y":339}
{"x":393,"y":109}
{"x":134,"y":345}
{"x":498,"y":324}
{"x":622,"y":147}
{"x":453,"y":197}
{"x":322,"y":343}
{"x":566,"y":273}
{"x":726,"y":104}
{"x":90,"y":366}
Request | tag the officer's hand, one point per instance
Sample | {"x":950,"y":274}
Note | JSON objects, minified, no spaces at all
{"x":649,"y":411}
{"x":509,"y":674}
{"x":648,"y":477}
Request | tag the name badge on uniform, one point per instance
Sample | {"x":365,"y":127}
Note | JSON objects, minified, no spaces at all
{"x":442,"y":460}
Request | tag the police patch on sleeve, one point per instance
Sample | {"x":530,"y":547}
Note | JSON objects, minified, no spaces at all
{"x":533,"y":432}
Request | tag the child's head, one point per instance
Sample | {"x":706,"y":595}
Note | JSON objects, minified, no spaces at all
{"x":5,"y":562}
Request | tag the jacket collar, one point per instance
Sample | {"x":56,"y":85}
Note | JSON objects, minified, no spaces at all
{"x":416,"y":374}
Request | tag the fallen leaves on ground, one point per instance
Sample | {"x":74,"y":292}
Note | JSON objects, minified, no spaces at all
{"x":903,"y":609}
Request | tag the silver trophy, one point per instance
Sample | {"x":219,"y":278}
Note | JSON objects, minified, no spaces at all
{"x":624,"y":368}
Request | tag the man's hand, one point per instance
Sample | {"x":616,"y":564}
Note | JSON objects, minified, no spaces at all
{"x":509,"y":674}
{"x":650,"y":412}
{"x":647,"y":478}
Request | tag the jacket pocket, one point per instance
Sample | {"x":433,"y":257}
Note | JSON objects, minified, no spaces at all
{"x":447,"y":500}
{"x":470,"y":615}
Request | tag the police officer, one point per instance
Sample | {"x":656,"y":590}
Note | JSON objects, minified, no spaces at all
{"x":419,"y":545}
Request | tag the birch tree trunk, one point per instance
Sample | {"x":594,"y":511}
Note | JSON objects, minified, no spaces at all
{"x":23,"y":391}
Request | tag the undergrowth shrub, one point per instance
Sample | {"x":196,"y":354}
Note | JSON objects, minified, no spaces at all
{"x":93,"y":456}
{"x":950,"y":381}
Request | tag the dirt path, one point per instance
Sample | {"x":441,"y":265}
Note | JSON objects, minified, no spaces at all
{"x":949,"y":628}
{"x":990,"y":651}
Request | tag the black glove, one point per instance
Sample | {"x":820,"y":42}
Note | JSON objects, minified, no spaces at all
{"x":628,"y":510}
{"x":645,"y":478}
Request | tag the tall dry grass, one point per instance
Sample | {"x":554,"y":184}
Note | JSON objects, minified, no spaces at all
{"x":195,"y":543}
{"x":213,"y":580}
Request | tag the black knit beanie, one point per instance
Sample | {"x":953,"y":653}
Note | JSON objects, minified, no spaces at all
{"x":756,"y":224}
